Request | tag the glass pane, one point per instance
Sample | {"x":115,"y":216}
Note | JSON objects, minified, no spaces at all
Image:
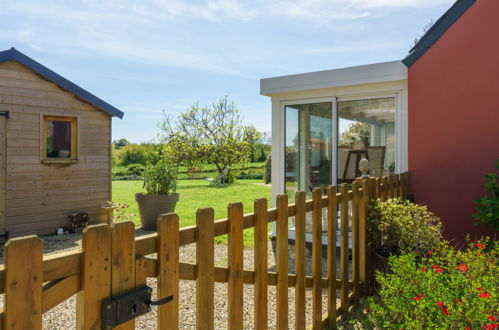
{"x":308,"y":148}
{"x":366,"y":130}
{"x":58,"y":139}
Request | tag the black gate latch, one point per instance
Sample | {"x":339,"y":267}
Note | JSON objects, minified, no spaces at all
{"x":120,"y":309}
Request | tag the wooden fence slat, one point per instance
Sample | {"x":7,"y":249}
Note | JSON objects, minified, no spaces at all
{"x":282,"y":262}
{"x":261,"y":264}
{"x":205,"y":261}
{"x":344,"y":248}
{"x":384,"y":189}
{"x":377,"y":183}
{"x":398,"y":186}
{"x":235,"y":262}
{"x":96,"y":276}
{"x":364,"y":260}
{"x":332,"y":215}
{"x":23,"y":283}
{"x":300,"y":261}
{"x":317,"y":258}
{"x":168,"y":270}
{"x":123,"y":262}
{"x":355,"y":242}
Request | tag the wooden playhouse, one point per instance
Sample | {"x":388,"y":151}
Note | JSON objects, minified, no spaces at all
{"x":55,"y":148}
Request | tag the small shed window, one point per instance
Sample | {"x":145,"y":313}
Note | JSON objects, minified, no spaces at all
{"x":59,"y":139}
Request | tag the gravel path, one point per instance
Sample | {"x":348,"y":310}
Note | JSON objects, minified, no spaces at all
{"x":63,"y":315}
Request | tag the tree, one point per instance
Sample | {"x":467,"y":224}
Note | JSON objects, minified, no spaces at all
{"x":209,"y":135}
{"x":356,"y":132}
{"x":118,"y":144}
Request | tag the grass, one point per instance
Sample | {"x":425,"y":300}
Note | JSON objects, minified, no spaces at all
{"x":196,"y":194}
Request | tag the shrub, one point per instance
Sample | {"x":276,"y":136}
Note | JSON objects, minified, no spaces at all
{"x":160,"y":179}
{"x":449,"y":289}
{"x":403,"y":226}
{"x":488,"y":206}
{"x":268,"y":167}
{"x":135,"y":169}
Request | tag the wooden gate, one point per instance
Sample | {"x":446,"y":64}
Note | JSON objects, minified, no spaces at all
{"x":112,"y":261}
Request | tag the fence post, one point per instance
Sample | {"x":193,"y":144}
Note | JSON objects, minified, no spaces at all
{"x":205,"y":269}
{"x":282,"y":261}
{"x":317,"y":258}
{"x":261,"y":264}
{"x":168,"y":270}
{"x":123,"y":262}
{"x":344,"y":248}
{"x":235,"y":263}
{"x":96,"y":276}
{"x":300,"y":260}
{"x":23,"y":283}
{"x":332,"y":215}
{"x":355,"y":242}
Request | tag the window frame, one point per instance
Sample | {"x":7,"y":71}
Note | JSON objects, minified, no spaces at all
{"x":74,"y":139}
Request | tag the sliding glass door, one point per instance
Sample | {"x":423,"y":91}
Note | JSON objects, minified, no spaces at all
{"x":363,"y":128}
{"x":308,"y":146}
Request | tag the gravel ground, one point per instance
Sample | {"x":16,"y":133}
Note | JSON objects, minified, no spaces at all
{"x":63,"y":315}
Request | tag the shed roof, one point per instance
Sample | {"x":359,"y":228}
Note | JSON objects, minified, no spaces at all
{"x":437,"y":30}
{"x":15,"y":55}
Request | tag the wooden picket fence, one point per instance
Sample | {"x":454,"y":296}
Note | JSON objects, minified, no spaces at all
{"x":112,"y":261}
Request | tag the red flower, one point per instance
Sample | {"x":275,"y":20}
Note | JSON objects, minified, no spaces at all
{"x":479,"y":253}
{"x":490,"y":326}
{"x":419,"y":296}
{"x":445,"y":311}
{"x":492,"y":317}
{"x":458,"y":301}
{"x":484,"y":295}
{"x":440,"y":303}
{"x":423,"y":269}
{"x":480,"y":246}
{"x":430,"y":252}
{"x":467,"y":328}
{"x":439,"y":270}
{"x":435,"y":266}
{"x":479,"y":289}
{"x":463,"y":268}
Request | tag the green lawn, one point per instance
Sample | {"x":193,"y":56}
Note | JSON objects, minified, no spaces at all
{"x":196,"y":194}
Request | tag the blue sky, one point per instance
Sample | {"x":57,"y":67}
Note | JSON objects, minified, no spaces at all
{"x":152,"y":55}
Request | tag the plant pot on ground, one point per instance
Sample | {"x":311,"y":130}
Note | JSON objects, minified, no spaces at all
{"x":160,"y":183}
{"x":401,"y":226}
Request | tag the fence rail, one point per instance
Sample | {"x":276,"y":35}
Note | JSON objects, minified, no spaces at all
{"x":112,"y":261}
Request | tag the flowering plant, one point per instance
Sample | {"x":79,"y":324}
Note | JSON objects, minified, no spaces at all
{"x":447,"y":289}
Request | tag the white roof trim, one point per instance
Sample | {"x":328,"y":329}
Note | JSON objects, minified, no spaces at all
{"x":355,"y":75}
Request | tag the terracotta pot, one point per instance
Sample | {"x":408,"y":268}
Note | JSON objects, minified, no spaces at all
{"x":152,"y":206}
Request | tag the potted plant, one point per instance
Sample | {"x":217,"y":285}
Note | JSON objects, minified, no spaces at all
{"x":160,"y":184}
{"x":401,"y":226}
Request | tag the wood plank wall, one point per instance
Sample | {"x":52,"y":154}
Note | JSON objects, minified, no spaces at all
{"x":39,"y":197}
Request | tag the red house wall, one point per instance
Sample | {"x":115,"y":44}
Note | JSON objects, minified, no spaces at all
{"x":454,"y":118}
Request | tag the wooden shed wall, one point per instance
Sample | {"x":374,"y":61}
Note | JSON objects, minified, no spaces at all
{"x":39,"y":197}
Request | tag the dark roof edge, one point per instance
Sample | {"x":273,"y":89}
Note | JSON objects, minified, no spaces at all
{"x":437,"y":30}
{"x":15,"y":55}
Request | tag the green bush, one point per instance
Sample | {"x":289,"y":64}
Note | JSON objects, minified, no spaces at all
{"x":488,"y":206}
{"x":145,"y":154}
{"x":448,"y":289}
{"x":267,"y":177}
{"x":136,"y":169}
{"x":403,"y":226}
{"x":160,"y":179}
